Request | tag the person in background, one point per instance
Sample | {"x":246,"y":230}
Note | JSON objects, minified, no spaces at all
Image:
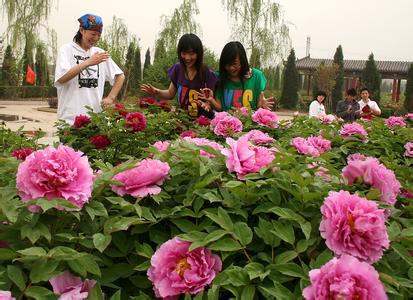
{"x":239,"y":84}
{"x":369,"y":108}
{"x":81,"y":72}
{"x":317,"y":108}
{"x":191,"y":80}
{"x":348,"y":109}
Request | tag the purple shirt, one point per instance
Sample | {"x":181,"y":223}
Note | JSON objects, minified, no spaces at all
{"x":187,"y":89}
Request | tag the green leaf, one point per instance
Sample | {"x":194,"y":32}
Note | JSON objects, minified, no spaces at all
{"x":7,"y":254}
{"x":394,"y":230}
{"x":290,"y":269}
{"x":143,"y":266}
{"x":284,"y":232}
{"x":263,"y":232}
{"x":43,"y":270}
{"x":256,"y":270}
{"x":237,"y":276}
{"x":121,"y":223}
{"x":101,"y":241}
{"x":33,"y":233}
{"x":222,"y":219}
{"x":41,"y":293}
{"x":16,"y":275}
{"x":226,"y":244}
{"x":403,"y":253}
{"x":144,"y":250}
{"x":184,"y":225}
{"x":243,"y":233}
{"x":96,"y":293}
{"x":278,"y":291}
{"x":116,"y":296}
{"x":285,"y":257}
{"x":248,"y":293}
{"x":233,"y":184}
{"x":95,"y":208}
{"x":63,"y":253}
{"x":33,"y":251}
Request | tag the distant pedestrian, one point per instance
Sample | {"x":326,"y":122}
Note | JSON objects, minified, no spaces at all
{"x":81,"y":72}
{"x":348,"y":109}
{"x":317,"y":108}
{"x":369,"y":108}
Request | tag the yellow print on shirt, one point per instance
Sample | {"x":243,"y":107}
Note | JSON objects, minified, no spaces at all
{"x":193,"y":106}
{"x":247,"y":98}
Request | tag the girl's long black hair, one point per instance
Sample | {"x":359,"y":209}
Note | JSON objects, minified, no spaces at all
{"x":191,"y":42}
{"x":78,"y":37}
{"x":229,"y":53}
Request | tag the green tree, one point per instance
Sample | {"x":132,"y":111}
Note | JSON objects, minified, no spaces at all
{"x":337,"y":93}
{"x":408,"y":94}
{"x":157,"y":74}
{"x":147,"y":62}
{"x":137,"y":69}
{"x":277,"y":79}
{"x":370,"y":78}
{"x":210,"y":59}
{"x":128,"y":70}
{"x":9,"y":68}
{"x":41,"y":66}
{"x":160,"y":51}
{"x":289,"y":93}
{"x":325,"y":80}
{"x":259,"y":24}
{"x":255,"y":60}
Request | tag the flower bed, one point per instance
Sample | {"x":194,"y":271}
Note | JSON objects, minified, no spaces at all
{"x":243,"y":207}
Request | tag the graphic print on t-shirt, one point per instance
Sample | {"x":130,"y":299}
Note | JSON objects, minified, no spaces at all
{"x":233,"y":98}
{"x":88,"y":77}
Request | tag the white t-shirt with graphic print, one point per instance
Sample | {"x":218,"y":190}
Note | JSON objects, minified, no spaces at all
{"x":83,"y":90}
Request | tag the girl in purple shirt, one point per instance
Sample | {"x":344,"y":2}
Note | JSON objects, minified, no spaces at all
{"x":191,"y":81}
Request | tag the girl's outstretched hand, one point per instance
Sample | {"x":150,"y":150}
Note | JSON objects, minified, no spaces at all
{"x":149,"y":89}
{"x":266,"y":103}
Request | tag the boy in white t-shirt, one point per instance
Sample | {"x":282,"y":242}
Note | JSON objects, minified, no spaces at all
{"x":368,"y":108}
{"x":81,"y":72}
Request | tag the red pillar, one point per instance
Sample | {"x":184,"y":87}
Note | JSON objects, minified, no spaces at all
{"x":353,"y":82}
{"x":393,"y":94}
{"x":308,"y":84}
{"x":399,"y":81}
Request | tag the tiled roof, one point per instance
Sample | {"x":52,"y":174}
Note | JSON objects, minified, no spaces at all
{"x":398,"y":67}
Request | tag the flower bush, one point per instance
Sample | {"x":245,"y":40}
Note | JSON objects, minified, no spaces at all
{"x":245,"y":218}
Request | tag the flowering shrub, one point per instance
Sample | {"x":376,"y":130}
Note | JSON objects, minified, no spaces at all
{"x":135,"y":121}
{"x":348,"y":130}
{"x":247,"y":217}
{"x":21,"y":154}
{"x":395,"y":121}
{"x":265,"y":117}
{"x":80,"y":121}
{"x":71,"y":287}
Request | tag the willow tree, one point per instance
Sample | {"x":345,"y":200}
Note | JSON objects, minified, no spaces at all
{"x":116,"y":39}
{"x":260,"y":26}
{"x":181,"y":21}
{"x":24,"y":18}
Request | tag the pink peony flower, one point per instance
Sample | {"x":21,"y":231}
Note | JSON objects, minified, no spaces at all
{"x":372,"y":173}
{"x":354,"y":225}
{"x":70,"y":287}
{"x":55,"y":173}
{"x":395,"y":121}
{"x":227,"y":126}
{"x":136,"y":121}
{"x":322,"y":145}
{"x":202,"y":121}
{"x":320,"y":171}
{"x":161,"y":146}
{"x":205,"y":142}
{"x":407,"y":194}
{"x":408,"y":147}
{"x":351,"y":129}
{"x":245,"y":158}
{"x":6,"y":295}
{"x":259,"y":137}
{"x":244,"y":111}
{"x":21,"y":154}
{"x":175,"y":270}
{"x":100,"y":141}
{"x":409,"y":116}
{"x":356,"y":156}
{"x":165,"y":105}
{"x":314,"y":145}
{"x":265,"y":117}
{"x":218,"y":117}
{"x":189,"y":133}
{"x":327,"y":119}
{"x":345,"y":278}
{"x":80,"y":121}
{"x":296,"y":114}
{"x":143,"y":180}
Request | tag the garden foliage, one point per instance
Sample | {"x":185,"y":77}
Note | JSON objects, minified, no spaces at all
{"x":252,"y":223}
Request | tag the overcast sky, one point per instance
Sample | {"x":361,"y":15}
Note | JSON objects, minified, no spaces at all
{"x":383,"y":27}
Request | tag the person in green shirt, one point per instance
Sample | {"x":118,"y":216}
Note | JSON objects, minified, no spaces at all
{"x":239,"y":85}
